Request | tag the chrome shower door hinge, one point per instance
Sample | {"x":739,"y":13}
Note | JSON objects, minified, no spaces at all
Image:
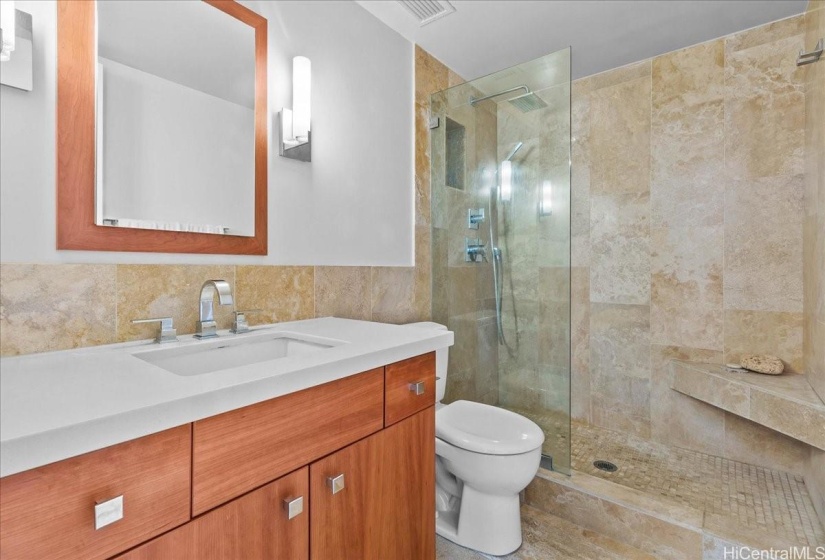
{"x":435,"y":122}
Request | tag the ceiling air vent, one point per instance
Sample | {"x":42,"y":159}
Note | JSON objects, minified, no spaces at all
{"x":427,"y":11}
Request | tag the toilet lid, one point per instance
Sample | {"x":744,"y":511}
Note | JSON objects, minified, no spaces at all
{"x":486,"y":429}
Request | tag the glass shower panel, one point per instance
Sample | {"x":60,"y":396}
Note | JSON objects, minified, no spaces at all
{"x":507,"y":300}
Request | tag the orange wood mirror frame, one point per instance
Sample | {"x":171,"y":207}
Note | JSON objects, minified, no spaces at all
{"x":76,"y":229}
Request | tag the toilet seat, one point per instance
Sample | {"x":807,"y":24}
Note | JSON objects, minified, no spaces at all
{"x":486,"y":429}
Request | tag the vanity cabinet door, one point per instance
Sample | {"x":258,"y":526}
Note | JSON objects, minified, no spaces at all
{"x":406,"y":520}
{"x":375,"y":500}
{"x":257,"y":526}
{"x":99,"y":504}
{"x":344,"y":488}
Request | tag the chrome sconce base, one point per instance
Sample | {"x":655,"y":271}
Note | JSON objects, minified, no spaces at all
{"x":292,"y":148}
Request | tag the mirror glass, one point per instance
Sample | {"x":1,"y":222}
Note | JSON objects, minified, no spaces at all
{"x":175,"y":118}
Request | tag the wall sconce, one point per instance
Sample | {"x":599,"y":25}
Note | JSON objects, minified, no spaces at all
{"x":16,"y":52}
{"x":546,"y":200}
{"x":296,"y":136}
{"x":505,"y":187}
{"x":7,"y":35}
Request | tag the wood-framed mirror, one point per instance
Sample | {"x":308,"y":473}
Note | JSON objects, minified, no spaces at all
{"x":80,"y":222}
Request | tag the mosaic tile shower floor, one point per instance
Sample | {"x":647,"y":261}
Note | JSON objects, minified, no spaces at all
{"x":756,"y":498}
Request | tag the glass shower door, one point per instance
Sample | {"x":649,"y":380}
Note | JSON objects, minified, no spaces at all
{"x":501,"y":242}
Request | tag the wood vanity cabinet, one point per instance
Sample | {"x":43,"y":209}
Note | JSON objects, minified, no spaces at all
{"x":359,"y":452}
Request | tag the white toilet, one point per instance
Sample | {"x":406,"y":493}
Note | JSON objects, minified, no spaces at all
{"x":485,"y":456}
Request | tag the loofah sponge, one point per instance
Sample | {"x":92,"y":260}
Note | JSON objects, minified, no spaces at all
{"x":770,"y":365}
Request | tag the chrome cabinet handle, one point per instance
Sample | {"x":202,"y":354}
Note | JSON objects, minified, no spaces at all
{"x":294,"y":507}
{"x":167,"y":331}
{"x":108,"y":512}
{"x":417,"y":388}
{"x":336,"y":483}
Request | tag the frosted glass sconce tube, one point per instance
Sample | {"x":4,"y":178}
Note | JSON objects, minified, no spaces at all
{"x":505,"y":188}
{"x":295,"y":134}
{"x":546,"y":200}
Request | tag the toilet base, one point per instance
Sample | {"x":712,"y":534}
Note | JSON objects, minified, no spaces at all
{"x":489,"y":524}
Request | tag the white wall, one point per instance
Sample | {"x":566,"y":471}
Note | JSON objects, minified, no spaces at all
{"x":353,"y":205}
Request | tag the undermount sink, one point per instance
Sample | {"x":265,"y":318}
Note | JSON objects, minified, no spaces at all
{"x":226,"y":352}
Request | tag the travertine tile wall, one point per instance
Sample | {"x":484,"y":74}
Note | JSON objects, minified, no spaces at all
{"x":814,"y":237}
{"x":688,"y":205}
{"x":47,"y":307}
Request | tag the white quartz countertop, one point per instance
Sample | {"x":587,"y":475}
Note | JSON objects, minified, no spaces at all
{"x":58,"y":405}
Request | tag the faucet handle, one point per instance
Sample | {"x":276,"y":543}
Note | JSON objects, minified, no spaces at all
{"x":167,"y":331}
{"x":239,"y":325}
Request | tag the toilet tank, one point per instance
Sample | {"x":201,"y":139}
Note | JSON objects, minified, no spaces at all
{"x":442,"y":356}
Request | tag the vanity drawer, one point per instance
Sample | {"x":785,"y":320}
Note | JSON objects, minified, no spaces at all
{"x":240,"y":450}
{"x":49,"y":512}
{"x":409,"y":386}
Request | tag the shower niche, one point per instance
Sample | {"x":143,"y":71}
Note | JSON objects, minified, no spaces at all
{"x":505,"y":148}
{"x":455,"y":155}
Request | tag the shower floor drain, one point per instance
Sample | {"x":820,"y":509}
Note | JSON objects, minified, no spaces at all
{"x":606,"y":466}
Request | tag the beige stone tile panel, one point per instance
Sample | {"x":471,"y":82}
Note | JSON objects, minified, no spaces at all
{"x":755,"y":444}
{"x":765,"y":104}
{"x":547,"y":537}
{"x":763,"y":332}
{"x":689,"y":77}
{"x":677,"y":419}
{"x":343,"y":291}
{"x":686,"y":299}
{"x":687,"y":146}
{"x":430,"y":75}
{"x":580,"y":343}
{"x":763,"y":252}
{"x":422,"y":165}
{"x":620,"y":248}
{"x":733,"y":397}
{"x":620,"y":340}
{"x":798,"y":420}
{"x":282,"y":293}
{"x":687,"y":163}
{"x":167,"y":291}
{"x":393,"y":295}
{"x":56,"y":307}
{"x":620,"y":138}
{"x":632,"y":526}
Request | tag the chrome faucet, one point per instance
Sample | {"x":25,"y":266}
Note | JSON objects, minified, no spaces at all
{"x":206,"y":327}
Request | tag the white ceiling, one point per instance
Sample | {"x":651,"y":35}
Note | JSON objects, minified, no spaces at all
{"x":485,"y":36}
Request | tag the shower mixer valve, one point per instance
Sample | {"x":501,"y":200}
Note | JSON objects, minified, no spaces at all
{"x":474,"y":250}
{"x":474,"y":217}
